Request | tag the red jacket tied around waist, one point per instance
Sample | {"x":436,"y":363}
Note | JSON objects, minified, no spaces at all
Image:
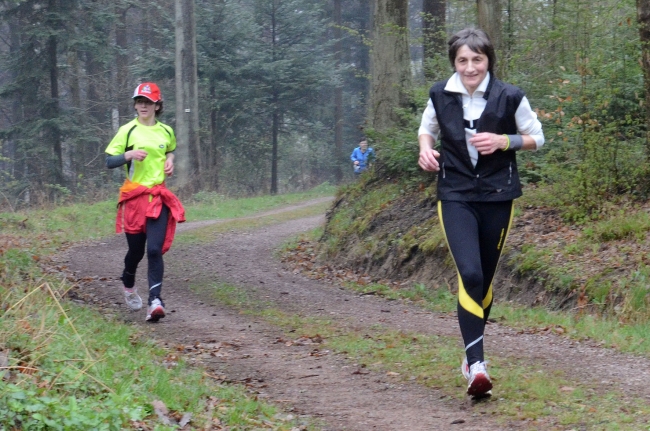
{"x":138,"y":202}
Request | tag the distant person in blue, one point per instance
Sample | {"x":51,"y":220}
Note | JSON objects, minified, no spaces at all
{"x":362,"y":157}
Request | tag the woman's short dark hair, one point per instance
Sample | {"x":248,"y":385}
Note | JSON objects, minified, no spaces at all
{"x":477,"y":40}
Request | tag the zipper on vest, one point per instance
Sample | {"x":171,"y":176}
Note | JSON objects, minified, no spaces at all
{"x":443,"y":169}
{"x":510,"y":177}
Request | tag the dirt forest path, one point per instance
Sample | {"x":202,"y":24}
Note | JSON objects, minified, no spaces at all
{"x":309,"y":380}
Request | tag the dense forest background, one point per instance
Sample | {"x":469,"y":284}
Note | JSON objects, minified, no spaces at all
{"x":286,"y":88}
{"x":266,"y":70}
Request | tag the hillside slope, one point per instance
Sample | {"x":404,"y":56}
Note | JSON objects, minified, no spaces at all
{"x":395,"y":234}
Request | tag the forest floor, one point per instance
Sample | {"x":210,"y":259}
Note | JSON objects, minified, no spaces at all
{"x":300,"y":375}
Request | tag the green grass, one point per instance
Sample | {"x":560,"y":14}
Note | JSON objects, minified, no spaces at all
{"x":69,"y":368}
{"x":209,"y":233}
{"x":350,"y":221}
{"x":606,"y":255}
{"x":439,"y":300}
{"x":543,"y":399}
{"x":65,"y":223}
{"x":604,"y":331}
{"x":210,"y":206}
{"x":625,"y":224}
{"x":79,"y":222}
{"x":63,"y":366}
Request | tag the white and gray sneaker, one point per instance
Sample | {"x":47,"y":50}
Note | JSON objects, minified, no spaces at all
{"x":156,"y":311}
{"x":132,"y":298}
{"x":479,"y":383}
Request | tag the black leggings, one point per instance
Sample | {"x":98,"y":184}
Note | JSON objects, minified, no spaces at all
{"x":475,"y":233}
{"x":154,"y":239}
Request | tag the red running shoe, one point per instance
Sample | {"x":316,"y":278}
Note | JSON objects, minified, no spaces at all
{"x":479,"y":384}
{"x":156,"y":311}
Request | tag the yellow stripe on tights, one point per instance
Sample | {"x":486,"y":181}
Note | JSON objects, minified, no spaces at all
{"x":467,"y":302}
{"x":488,"y":298}
{"x":464,"y":299}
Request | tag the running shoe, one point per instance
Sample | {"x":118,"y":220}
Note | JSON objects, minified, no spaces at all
{"x":156,"y":311}
{"x":133,"y":300}
{"x":479,"y":383}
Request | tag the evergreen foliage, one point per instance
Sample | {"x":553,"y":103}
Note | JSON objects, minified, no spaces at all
{"x":60,"y":110}
{"x":577,"y":62}
{"x":264,"y":65}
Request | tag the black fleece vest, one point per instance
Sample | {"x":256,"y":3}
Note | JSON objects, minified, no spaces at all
{"x":495,"y":177}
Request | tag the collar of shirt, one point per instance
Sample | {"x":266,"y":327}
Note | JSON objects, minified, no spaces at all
{"x":455,"y":85}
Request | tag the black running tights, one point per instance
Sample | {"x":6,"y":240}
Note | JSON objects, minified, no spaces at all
{"x":153,"y":239}
{"x":475,"y":233}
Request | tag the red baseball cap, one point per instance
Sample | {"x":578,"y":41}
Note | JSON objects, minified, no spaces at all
{"x":148,"y":90}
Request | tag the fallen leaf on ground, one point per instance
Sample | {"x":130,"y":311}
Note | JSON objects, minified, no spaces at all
{"x":161,"y":410}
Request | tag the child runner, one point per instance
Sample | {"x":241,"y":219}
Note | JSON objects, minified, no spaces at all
{"x":147,"y":211}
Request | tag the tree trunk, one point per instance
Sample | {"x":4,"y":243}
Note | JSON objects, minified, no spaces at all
{"x":187,"y":98}
{"x":274,"y":152}
{"x":338,"y":97}
{"x":643,"y":16}
{"x":10,"y":162}
{"x":489,"y":20}
{"x":52,"y":106}
{"x":275,"y":126}
{"x":214,"y":154}
{"x":390,"y":63}
{"x":124,"y":107}
{"x":74,"y":152}
{"x":433,"y":30}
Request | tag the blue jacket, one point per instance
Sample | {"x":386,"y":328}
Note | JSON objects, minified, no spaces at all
{"x":362,"y":158}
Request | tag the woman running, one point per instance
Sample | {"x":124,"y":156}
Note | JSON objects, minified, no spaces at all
{"x":480,"y":123}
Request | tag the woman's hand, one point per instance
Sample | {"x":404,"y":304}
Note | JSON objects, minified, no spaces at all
{"x":428,"y":160}
{"x":488,"y":143}
{"x":428,"y":156}
{"x":138,"y":155}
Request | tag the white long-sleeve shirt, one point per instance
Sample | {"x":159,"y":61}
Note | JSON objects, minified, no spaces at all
{"x":473,"y":106}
